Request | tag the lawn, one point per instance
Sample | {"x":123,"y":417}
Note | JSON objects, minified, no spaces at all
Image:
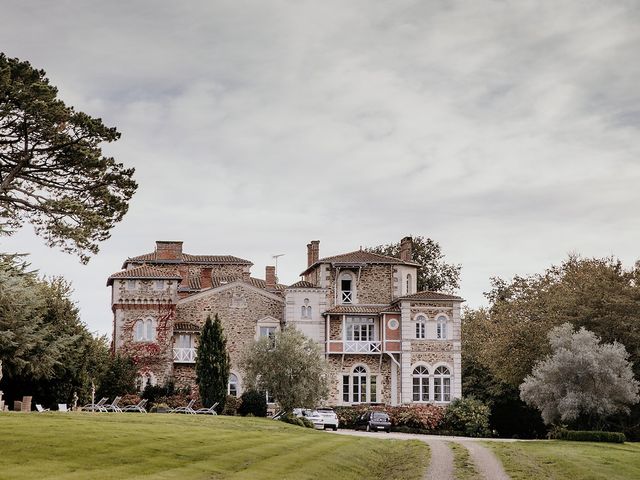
{"x":157,"y":446}
{"x":560,"y":460}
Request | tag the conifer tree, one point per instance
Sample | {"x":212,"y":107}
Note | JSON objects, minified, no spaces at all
{"x":212,"y":364}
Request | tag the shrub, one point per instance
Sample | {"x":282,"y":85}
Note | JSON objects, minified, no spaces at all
{"x":253,"y":402}
{"x":231,"y":405}
{"x":468,"y":416}
{"x":586,"y":435}
{"x":294,"y":420}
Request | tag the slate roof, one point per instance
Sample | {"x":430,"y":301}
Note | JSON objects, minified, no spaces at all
{"x":360,"y":257}
{"x":428,"y":295}
{"x":145,"y":271}
{"x":187,"y":258}
{"x":371,"y":309}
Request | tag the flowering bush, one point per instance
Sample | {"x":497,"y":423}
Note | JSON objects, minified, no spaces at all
{"x":419,"y":417}
{"x":129,"y":399}
{"x":231,"y":405}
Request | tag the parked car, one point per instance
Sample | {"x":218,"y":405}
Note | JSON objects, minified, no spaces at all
{"x":373,"y":422}
{"x":330,"y":418}
{"x":313,"y":415}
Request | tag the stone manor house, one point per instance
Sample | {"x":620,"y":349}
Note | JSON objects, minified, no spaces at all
{"x":385,"y":342}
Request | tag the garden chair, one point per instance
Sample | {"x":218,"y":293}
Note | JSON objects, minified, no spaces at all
{"x":62,"y":407}
{"x":39,"y":408}
{"x":187,"y":409}
{"x":208,"y":411}
{"x":136,"y":408}
{"x":92,"y":407}
{"x":113,"y":407}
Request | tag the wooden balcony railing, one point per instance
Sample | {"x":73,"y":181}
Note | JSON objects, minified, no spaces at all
{"x":362,"y":347}
{"x":184,"y":355}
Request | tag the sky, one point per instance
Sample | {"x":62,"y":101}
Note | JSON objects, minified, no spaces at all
{"x":507,"y":131}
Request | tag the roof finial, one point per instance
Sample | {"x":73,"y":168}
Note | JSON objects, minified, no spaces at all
{"x":360,"y":247}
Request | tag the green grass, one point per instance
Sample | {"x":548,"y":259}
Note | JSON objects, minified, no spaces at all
{"x":463,"y":465}
{"x":560,"y":460}
{"x":136,"y":446}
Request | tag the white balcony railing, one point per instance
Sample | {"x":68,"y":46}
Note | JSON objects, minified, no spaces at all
{"x":347,"y":296}
{"x":362,"y":347}
{"x":184,"y":355}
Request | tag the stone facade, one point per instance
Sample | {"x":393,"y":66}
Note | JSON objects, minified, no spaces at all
{"x":361,"y":308}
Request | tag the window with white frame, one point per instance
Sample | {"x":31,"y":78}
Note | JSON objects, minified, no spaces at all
{"x":306,"y":309}
{"x":421,"y":327}
{"x":159,"y":284}
{"x":184,"y":340}
{"x":268,"y":331}
{"x":442,"y":384}
{"x":421,"y":384}
{"x":441,"y":327}
{"x":131,"y":284}
{"x":346,"y":288}
{"x":232,"y":386}
{"x":409,"y":284}
{"x":360,"y":329}
{"x":145,"y":330}
{"x":359,"y":386}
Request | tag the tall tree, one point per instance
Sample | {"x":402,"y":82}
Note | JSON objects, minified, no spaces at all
{"x":290,"y":367}
{"x":435,"y":274}
{"x":212,"y":364}
{"x":52,"y":170}
{"x":581,"y":379}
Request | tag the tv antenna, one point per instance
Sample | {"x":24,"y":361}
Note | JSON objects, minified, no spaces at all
{"x":275,"y":257}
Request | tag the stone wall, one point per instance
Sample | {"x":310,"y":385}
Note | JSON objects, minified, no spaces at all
{"x":239,"y":307}
{"x":375,"y":284}
{"x":340,"y":365}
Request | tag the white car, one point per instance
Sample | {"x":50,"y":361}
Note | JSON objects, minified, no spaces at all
{"x":312,"y":415}
{"x":330,"y":418}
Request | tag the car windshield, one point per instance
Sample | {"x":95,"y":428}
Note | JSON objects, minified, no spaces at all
{"x":380,"y":416}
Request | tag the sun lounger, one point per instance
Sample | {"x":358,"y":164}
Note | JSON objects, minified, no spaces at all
{"x":113,"y":407}
{"x":208,"y":411}
{"x":39,"y":408}
{"x":187,"y":409}
{"x":136,"y":408}
{"x":62,"y":407}
{"x":92,"y":407}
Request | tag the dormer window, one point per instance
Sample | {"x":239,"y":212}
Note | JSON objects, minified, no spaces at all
{"x":346,"y":288}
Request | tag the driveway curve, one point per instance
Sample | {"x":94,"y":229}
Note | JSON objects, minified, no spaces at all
{"x":441,"y":464}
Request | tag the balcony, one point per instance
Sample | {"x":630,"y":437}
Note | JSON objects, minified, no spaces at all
{"x":184,"y":355}
{"x":362,"y":347}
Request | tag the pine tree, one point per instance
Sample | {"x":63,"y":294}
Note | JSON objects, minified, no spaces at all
{"x":212,"y":364}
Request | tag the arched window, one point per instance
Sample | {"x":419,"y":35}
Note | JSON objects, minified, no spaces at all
{"x":306,"y":309}
{"x":232,"y":386}
{"x":421,"y":384}
{"x":409,"y":292}
{"x":442,"y":384}
{"x":359,"y":386}
{"x":145,"y":331}
{"x":346,"y":288}
{"x":421,"y":326}
{"x":441,"y":328}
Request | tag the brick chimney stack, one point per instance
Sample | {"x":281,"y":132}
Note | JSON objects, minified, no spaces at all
{"x":313,"y":252}
{"x":166,"y":250}
{"x":270,"y":277}
{"x":406,"y":249}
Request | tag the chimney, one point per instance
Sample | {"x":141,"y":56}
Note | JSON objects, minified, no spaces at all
{"x":270,"y":277}
{"x":406,"y":249}
{"x":168,"y":250}
{"x":313,"y":252}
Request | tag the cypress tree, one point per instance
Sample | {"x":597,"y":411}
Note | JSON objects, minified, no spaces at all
{"x":212,"y":364}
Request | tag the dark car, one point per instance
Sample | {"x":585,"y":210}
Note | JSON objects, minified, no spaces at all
{"x":373,"y":422}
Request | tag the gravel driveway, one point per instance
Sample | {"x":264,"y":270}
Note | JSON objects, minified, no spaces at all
{"x":441,"y":465}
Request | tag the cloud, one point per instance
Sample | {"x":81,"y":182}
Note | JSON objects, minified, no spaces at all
{"x":507,"y":131}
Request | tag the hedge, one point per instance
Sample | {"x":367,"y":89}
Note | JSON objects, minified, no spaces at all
{"x":587,"y":436}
